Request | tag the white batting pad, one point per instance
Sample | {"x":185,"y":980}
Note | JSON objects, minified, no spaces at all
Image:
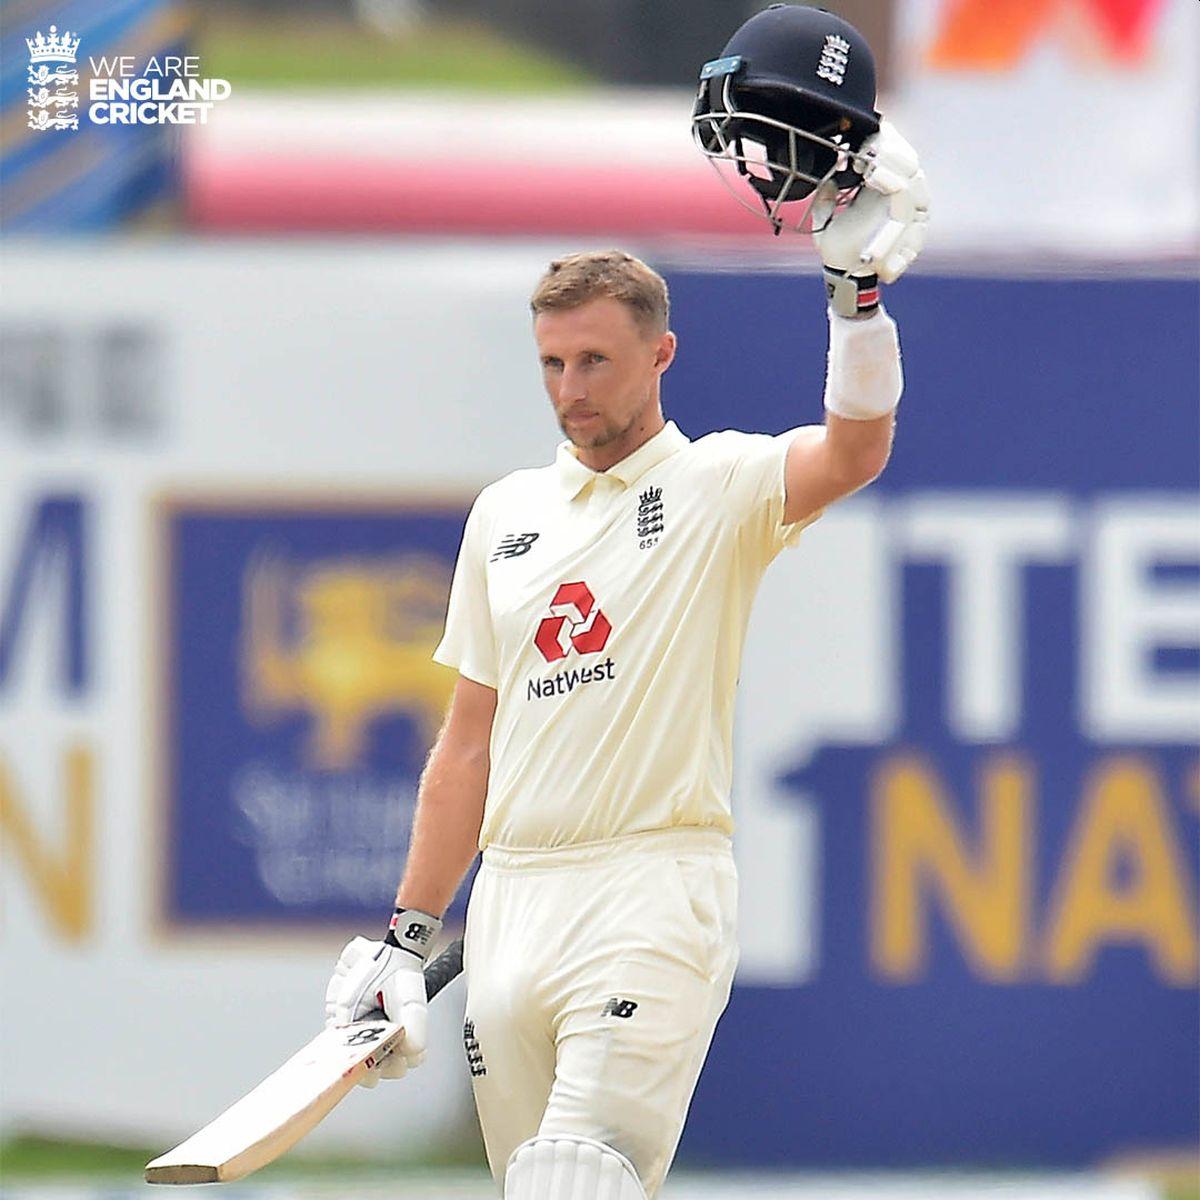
{"x":570,"y":1168}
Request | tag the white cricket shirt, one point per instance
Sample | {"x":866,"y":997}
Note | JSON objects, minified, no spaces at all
{"x":608,"y":610}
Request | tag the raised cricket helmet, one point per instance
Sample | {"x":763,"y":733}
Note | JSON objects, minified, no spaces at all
{"x":788,"y":105}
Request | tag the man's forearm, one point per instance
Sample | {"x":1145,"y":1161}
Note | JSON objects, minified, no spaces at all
{"x":445,"y":833}
{"x":858,"y":450}
{"x":862,"y":387}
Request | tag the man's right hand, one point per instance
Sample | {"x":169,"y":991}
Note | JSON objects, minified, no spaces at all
{"x":387,"y":976}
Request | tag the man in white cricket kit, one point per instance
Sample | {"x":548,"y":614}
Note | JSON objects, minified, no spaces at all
{"x":596,"y":621}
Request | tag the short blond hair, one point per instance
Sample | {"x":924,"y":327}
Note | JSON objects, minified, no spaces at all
{"x":592,"y":274}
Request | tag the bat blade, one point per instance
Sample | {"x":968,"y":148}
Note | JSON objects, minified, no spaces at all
{"x":289,"y":1103}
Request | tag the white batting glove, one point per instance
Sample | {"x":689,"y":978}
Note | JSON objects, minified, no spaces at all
{"x":881,"y":231}
{"x":387,"y":976}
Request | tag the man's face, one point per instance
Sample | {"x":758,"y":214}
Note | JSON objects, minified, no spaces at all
{"x":601,"y":373}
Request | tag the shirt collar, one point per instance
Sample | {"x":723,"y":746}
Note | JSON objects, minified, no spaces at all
{"x":574,"y":476}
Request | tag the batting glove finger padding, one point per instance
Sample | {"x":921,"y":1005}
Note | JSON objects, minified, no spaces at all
{"x":396,"y":1066}
{"x":403,"y":992}
{"x":891,"y":160}
{"x":882,"y":230}
{"x":370,"y":976}
{"x":356,"y":951}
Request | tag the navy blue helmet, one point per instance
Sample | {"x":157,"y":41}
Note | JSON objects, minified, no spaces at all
{"x":789,"y":103}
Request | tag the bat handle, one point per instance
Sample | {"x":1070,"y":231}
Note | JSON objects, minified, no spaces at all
{"x":444,"y":969}
{"x":440,"y":971}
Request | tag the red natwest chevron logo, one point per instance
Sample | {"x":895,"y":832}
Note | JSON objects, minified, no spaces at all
{"x":577,"y":621}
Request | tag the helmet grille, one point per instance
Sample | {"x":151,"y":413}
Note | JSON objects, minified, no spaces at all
{"x":781,"y":142}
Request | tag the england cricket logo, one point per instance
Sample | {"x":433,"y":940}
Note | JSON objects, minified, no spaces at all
{"x":52,"y":100}
{"x":649,"y":518}
{"x":834,"y":58}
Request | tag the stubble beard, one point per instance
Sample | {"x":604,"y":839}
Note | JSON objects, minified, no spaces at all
{"x":609,"y":433}
{"x":604,"y":437}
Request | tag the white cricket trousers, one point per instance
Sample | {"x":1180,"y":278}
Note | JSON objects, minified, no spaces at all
{"x":595,"y":978}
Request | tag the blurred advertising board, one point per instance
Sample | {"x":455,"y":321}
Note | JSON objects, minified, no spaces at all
{"x":300,"y":630}
{"x":1053,"y":127}
{"x":232,"y":485}
{"x":966,"y":778}
{"x":979,"y":744}
{"x":92,"y":98}
{"x":1052,"y":131}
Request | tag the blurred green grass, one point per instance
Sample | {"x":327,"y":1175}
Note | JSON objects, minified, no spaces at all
{"x":26,"y":1159}
{"x":39,"y":1159}
{"x":456,"y":55}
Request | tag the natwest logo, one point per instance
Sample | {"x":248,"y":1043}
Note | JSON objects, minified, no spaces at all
{"x":576,"y":622}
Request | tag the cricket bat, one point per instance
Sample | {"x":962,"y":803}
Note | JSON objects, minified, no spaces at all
{"x":295,"y":1099}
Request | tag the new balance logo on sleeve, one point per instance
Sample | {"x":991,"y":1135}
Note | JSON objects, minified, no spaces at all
{"x":617,"y":1007}
{"x":513,"y":545}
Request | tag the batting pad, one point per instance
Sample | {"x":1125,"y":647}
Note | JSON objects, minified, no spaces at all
{"x":570,"y":1168}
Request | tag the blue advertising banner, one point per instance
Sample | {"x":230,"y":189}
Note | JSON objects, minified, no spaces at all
{"x":65,"y":165}
{"x":992,"y":898}
{"x":1005,"y":911}
{"x":300,"y":701}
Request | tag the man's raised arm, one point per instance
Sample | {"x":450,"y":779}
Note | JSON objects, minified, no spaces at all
{"x":872,"y":240}
{"x":862,"y":388}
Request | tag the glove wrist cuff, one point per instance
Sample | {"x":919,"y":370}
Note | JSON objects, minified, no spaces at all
{"x":412,"y":930}
{"x":851,"y":295}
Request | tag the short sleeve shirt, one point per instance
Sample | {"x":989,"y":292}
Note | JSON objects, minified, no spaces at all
{"x":608,"y":610}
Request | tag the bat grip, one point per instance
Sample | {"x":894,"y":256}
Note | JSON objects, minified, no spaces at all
{"x":442,"y":970}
